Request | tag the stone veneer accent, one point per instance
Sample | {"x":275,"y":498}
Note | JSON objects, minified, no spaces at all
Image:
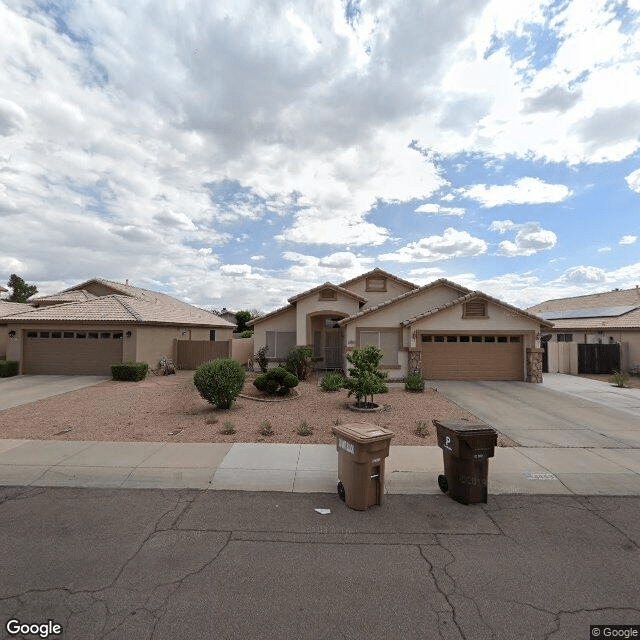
{"x":534,"y":364}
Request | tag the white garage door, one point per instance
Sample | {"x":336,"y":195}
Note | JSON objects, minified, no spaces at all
{"x":73,"y":352}
{"x":464,"y":357}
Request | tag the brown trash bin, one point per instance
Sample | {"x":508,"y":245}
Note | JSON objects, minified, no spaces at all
{"x":362,"y":449}
{"x":466,"y":449}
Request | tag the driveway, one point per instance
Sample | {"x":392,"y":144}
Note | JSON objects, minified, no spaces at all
{"x":24,"y":389}
{"x":564,"y":411}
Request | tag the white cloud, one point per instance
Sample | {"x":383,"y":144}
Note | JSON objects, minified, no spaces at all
{"x":633,"y":180}
{"x":628,"y":239}
{"x":437,"y":209}
{"x":243,"y":270}
{"x":451,"y":244}
{"x":335,"y":267}
{"x":530,"y":239}
{"x":604,"y":249}
{"x":584,"y":275}
{"x":523,"y":191}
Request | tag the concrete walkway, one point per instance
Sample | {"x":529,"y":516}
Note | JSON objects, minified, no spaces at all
{"x":304,"y":468}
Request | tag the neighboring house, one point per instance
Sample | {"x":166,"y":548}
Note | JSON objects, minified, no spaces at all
{"x":609,"y":318}
{"x":227,"y":315}
{"x":443,"y":329}
{"x":3,"y":290}
{"x":85,"y":329}
{"x":9,"y":309}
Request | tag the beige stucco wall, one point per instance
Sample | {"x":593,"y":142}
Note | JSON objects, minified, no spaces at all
{"x":394,"y":289}
{"x":285,"y":321}
{"x":342,"y":306}
{"x":242,"y":349}
{"x":153,"y":342}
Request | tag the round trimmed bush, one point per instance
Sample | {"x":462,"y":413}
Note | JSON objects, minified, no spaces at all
{"x":220,"y":381}
{"x":276,"y":381}
{"x":332,"y":381}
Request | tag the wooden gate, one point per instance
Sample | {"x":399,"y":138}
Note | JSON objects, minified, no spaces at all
{"x":193,"y":353}
{"x":598,"y":358}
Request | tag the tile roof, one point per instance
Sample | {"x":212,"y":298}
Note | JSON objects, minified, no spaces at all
{"x":379,"y":272}
{"x":327,"y":285}
{"x":407,"y":294}
{"x":126,"y":309}
{"x":620,"y":298}
{"x":13,"y":308}
{"x":595,"y":301}
{"x":470,"y":296}
{"x":60,"y":298}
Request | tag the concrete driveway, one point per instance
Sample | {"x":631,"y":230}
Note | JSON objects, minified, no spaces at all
{"x":24,"y":389}
{"x":564,"y":411}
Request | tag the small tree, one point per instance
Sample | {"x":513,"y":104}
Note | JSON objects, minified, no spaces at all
{"x":242,"y":317}
{"x":365,"y":377}
{"x":20,"y":290}
{"x":299,"y":362}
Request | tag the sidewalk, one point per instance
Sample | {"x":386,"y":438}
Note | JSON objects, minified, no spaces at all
{"x":304,"y":468}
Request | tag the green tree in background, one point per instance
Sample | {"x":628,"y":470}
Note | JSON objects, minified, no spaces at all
{"x":20,"y":290}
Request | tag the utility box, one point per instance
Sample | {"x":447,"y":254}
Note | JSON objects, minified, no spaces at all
{"x":466,"y":450}
{"x":362,"y":449}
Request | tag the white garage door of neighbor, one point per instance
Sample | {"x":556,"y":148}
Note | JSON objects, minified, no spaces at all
{"x":487,"y":357}
{"x":71,"y":352}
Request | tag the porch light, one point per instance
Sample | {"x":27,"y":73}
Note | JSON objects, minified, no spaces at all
{"x":128,"y":334}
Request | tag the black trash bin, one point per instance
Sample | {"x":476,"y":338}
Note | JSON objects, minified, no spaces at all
{"x":466,"y":449}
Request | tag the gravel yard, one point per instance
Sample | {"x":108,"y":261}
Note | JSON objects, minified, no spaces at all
{"x":169,"y":409}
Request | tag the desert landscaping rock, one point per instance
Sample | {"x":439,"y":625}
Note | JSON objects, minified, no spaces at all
{"x":169,"y":409}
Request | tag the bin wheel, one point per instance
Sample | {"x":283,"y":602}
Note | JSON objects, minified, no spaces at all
{"x":443,"y":483}
{"x":341,"y":493}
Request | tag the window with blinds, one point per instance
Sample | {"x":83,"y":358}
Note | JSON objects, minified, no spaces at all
{"x":387,"y":341}
{"x":279,"y":343}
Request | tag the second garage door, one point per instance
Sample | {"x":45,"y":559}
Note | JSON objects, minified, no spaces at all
{"x":464,"y":357}
{"x":71,"y":352}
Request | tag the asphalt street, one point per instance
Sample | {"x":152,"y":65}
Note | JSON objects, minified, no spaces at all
{"x":174,"y":564}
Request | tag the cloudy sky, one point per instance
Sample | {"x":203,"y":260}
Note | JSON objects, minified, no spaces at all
{"x":237,"y":153}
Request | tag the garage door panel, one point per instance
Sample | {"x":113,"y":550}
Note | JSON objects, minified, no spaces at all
{"x":70,"y":356}
{"x":473,"y":360}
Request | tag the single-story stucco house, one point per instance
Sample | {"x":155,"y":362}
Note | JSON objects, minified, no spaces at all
{"x":608,"y":318}
{"x":442,"y":329}
{"x":87,"y":328}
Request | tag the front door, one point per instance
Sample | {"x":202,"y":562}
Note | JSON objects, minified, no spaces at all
{"x":332,"y":349}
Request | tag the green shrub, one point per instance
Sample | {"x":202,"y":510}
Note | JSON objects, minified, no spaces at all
{"x":266,"y":429}
{"x":299,"y":362}
{"x":618,"y":379}
{"x":246,"y":334}
{"x":8,"y":368}
{"x":220,"y":381}
{"x":422,"y":430}
{"x":414,"y":382}
{"x":365,"y":377}
{"x":132,"y":371}
{"x":332,"y":381}
{"x":305,"y":429}
{"x":261,"y":358}
{"x":228,"y":429}
{"x":276,"y":381}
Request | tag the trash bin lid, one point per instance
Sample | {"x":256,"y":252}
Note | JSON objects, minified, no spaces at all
{"x":362,"y":432}
{"x":462,"y":428}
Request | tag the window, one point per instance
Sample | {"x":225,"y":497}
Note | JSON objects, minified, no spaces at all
{"x":44,"y":334}
{"x":80,"y":335}
{"x":476,"y":338}
{"x":464,"y":338}
{"x":93,"y":335}
{"x":69,"y":334}
{"x":438,"y":338}
{"x":475,"y":309}
{"x":105,"y":335}
{"x":514,"y":339}
{"x":56,"y":334}
{"x":376,"y":283}
{"x":279,"y":343}
{"x":452,"y":338}
{"x":32,"y":334}
{"x":565,"y":337}
{"x":212,"y":334}
{"x":117,"y":335}
{"x":503,"y":339}
{"x":426,"y":338}
{"x":387,"y":341}
{"x":489,"y":339}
